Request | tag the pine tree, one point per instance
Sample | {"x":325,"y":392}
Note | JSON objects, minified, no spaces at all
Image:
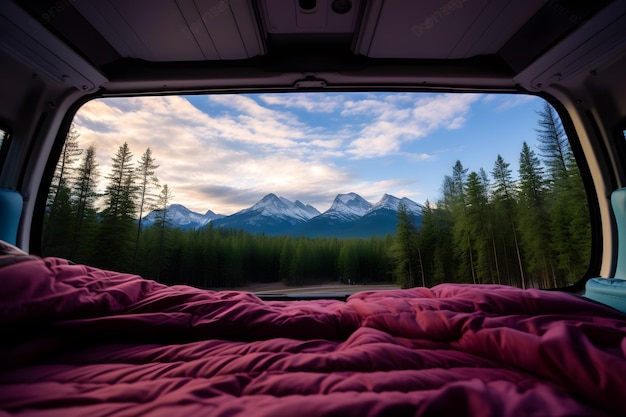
{"x":155,"y":240}
{"x":491,"y":228}
{"x":532,"y":182}
{"x":147,"y":182}
{"x":459,"y":177}
{"x":63,"y":173}
{"x":553,"y":143}
{"x":568,"y":205}
{"x":458,"y":207}
{"x":161,"y":224}
{"x":477,"y":222}
{"x":121,"y":185}
{"x":162,"y":205}
{"x":58,"y":223}
{"x":580,"y":225}
{"x":118,"y":215}
{"x":85,"y":196}
{"x":504,"y":194}
{"x":445,"y":259}
{"x":406,"y":251}
{"x":57,"y":241}
{"x":570,"y":226}
{"x":428,"y":242}
{"x":534,"y":218}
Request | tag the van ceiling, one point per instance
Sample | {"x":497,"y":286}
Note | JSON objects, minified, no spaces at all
{"x":123,"y":39}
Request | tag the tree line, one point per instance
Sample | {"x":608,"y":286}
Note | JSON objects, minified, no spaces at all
{"x":533,"y":231}
{"x":215,"y":257}
{"x":529,"y":231}
{"x":105,"y":230}
{"x":106,"y":235}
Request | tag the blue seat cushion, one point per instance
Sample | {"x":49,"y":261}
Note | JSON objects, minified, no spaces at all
{"x":608,"y":291}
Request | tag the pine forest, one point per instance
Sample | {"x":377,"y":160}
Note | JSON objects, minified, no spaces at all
{"x":529,"y":230}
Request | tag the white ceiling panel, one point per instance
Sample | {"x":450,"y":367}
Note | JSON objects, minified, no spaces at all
{"x":176,"y":30}
{"x":435,"y":29}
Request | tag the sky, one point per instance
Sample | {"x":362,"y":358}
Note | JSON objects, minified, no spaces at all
{"x":225,"y":152}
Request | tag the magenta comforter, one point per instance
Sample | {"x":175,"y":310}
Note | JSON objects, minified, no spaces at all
{"x":79,"y":341}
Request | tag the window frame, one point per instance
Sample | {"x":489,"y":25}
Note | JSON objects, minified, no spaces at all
{"x":562,"y":111}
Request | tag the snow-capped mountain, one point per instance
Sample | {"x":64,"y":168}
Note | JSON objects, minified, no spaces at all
{"x":382,"y":218}
{"x":347,"y":207}
{"x":181,"y":217}
{"x":350,"y":215}
{"x":271,"y":215}
{"x":392,"y":203}
{"x":271,"y":205}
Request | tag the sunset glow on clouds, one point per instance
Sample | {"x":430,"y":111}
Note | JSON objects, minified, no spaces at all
{"x":225,"y":152}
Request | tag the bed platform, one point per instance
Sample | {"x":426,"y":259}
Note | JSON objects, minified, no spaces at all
{"x":80,"y":341}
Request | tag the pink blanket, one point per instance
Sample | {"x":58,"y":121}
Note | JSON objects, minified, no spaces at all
{"x":79,"y":341}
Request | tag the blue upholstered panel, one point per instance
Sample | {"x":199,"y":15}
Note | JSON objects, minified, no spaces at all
{"x":609,"y":291}
{"x":612,"y":292}
{"x":11,"y":203}
{"x":618,"y":203}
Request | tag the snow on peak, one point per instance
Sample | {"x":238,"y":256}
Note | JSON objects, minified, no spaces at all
{"x":312,"y":211}
{"x":211,"y":214}
{"x":180,"y":216}
{"x":273,"y":206}
{"x":392,"y":203}
{"x":178,"y":208}
{"x":412,"y":206}
{"x":349,"y":205}
{"x":270,"y":203}
{"x":388,"y":201}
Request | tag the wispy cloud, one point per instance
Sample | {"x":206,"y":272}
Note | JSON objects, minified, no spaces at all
{"x":225,"y":152}
{"x":199,"y":153}
{"x":314,"y":103}
{"x":416,"y":157}
{"x":509,"y":101}
{"x":393,"y":123}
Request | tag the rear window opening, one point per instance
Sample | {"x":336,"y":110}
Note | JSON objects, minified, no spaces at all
{"x":321,"y":192}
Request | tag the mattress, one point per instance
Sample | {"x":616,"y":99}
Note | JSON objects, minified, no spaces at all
{"x":81,"y":341}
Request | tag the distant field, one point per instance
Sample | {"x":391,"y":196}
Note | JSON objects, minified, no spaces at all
{"x":326,"y":288}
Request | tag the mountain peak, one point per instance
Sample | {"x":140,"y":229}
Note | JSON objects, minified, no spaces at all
{"x":272,"y":206}
{"x":347,"y":206}
{"x":349,"y":216}
{"x":270,"y":202}
{"x":391,"y":202}
{"x":177,"y":207}
{"x":180,"y":216}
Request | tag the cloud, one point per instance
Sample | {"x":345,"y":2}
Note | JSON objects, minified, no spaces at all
{"x":509,"y":101}
{"x":225,"y":152}
{"x":247,"y":156}
{"x":393,"y":123}
{"x":419,"y":156}
{"x":366,"y":107}
{"x":230,"y":197}
{"x":314,"y":103}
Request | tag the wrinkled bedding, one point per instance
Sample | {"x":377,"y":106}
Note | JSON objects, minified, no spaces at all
{"x":80,"y":341}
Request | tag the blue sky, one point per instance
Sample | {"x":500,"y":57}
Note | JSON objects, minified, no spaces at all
{"x":225,"y":152}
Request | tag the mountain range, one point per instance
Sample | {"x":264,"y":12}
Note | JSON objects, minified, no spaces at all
{"x":350,"y":215}
{"x":181,"y":217}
